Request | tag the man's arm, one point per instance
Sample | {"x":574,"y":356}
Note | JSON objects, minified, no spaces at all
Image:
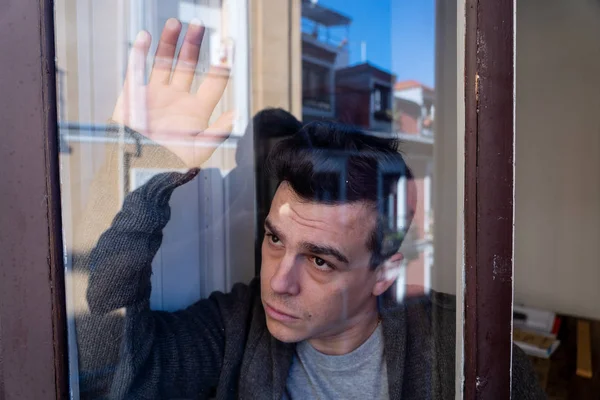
{"x":163,"y":355}
{"x":156,"y":351}
{"x":525,"y":383}
{"x":120,"y":263}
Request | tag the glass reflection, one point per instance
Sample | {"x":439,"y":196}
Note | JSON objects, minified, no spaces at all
{"x":255,"y":219}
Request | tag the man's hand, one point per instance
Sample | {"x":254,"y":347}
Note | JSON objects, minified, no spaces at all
{"x":164,"y":110}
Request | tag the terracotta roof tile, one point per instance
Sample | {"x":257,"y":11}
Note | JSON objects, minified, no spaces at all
{"x":409,"y":84}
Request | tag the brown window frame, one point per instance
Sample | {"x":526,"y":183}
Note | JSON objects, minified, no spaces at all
{"x":489,"y":197}
{"x":33,"y":342}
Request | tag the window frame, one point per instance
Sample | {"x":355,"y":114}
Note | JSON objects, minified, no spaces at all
{"x":382,"y":105}
{"x":489,"y":73}
{"x":33,"y":337}
{"x":33,"y":340}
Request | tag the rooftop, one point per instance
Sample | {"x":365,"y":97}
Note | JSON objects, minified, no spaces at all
{"x":364,"y":67}
{"x":323,"y":15}
{"x":411,"y":84}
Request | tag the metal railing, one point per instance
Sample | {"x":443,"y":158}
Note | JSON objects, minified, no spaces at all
{"x":324,"y":34}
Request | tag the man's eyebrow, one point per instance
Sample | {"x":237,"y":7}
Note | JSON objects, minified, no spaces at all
{"x":269,"y":225}
{"x":324,"y":251}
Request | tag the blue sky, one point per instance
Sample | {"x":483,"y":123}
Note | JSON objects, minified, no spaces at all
{"x":400,"y":34}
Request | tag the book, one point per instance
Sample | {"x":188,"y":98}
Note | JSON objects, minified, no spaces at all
{"x":535,"y":343}
{"x":531,"y":319}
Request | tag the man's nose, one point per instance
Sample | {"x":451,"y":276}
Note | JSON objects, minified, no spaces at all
{"x":285,"y":279}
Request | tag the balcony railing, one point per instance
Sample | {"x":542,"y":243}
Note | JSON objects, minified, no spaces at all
{"x":324,"y":34}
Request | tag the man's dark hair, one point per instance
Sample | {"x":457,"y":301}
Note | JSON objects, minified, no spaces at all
{"x":331,"y":163}
{"x":267,"y":124}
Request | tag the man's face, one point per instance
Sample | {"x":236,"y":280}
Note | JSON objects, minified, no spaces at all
{"x":315,"y":276}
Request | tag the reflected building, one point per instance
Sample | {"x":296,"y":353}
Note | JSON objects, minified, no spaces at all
{"x":299,"y":63}
{"x":324,"y":51}
{"x":368,"y":96}
{"x":364,"y":97}
{"x":414,"y":107}
{"x":414,"y":110}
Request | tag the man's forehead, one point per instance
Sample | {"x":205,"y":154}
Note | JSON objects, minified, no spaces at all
{"x":288,"y":205}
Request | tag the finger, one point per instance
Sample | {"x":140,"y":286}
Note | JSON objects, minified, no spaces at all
{"x":212,"y":88}
{"x":136,"y":64}
{"x":165,"y":52}
{"x":183,"y":75}
{"x":133,"y":85}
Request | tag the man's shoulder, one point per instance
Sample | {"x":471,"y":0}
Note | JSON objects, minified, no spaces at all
{"x":241,"y":297}
{"x":421,"y":302}
{"x":434,"y":315}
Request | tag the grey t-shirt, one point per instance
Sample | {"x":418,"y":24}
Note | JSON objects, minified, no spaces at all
{"x":361,"y":374}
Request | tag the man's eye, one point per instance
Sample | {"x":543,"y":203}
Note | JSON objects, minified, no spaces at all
{"x":273,"y":239}
{"x":321,"y":264}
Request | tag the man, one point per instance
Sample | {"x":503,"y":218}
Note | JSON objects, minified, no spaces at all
{"x":316,"y":324}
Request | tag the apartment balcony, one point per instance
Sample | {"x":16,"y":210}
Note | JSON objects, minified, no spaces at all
{"x":322,"y":36}
{"x":325,"y":31}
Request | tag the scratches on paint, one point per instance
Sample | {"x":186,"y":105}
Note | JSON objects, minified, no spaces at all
{"x":480,"y":383}
{"x":501,"y":269}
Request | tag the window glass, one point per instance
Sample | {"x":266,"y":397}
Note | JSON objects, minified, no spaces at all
{"x":248,"y":197}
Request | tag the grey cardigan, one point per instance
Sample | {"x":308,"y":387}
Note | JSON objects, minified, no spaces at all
{"x":220,"y":347}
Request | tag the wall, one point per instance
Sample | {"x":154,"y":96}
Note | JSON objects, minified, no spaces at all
{"x":412,"y":94}
{"x":276,"y":55}
{"x":557,"y":241}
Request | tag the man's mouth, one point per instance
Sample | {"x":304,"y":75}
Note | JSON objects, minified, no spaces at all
{"x":278,"y":314}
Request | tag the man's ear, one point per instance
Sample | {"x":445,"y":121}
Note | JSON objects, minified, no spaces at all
{"x":387,"y":273}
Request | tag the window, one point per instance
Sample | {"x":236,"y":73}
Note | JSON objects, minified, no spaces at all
{"x":381,"y":103}
{"x":205,"y":234}
{"x":316,"y":86}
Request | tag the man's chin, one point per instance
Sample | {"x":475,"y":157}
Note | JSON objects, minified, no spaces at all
{"x":284,"y":333}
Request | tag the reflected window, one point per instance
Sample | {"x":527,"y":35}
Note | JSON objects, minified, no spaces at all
{"x":316,"y":86}
{"x":381,"y":103}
